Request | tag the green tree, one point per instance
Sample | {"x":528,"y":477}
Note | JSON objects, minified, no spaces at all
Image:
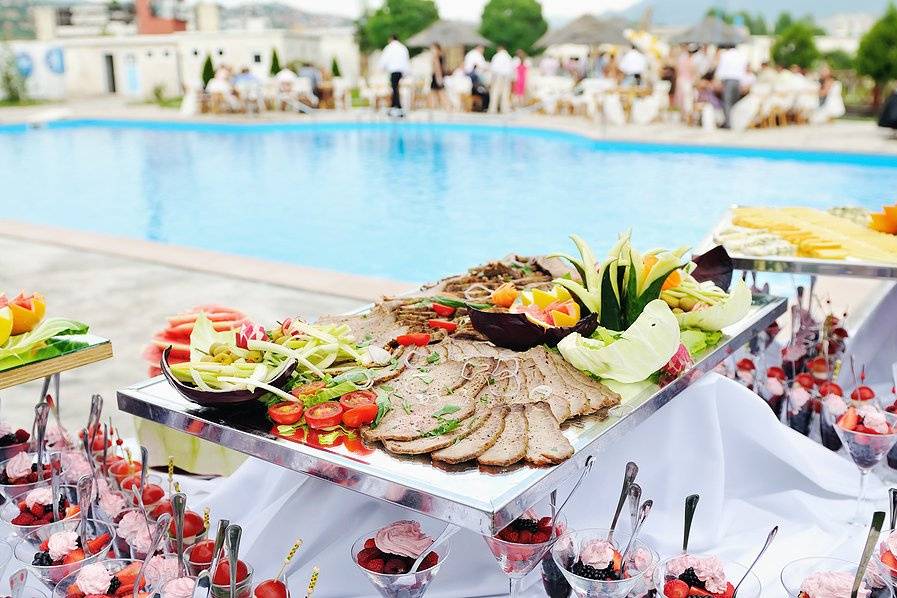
{"x":796,"y":45}
{"x":755,"y":24}
{"x":208,"y":71}
{"x":838,"y":60}
{"x":877,"y":55}
{"x":402,"y":17}
{"x":12,"y":83}
{"x":514,"y":24}
{"x":275,"y":62}
{"x":334,"y":67}
{"x":783,"y":22}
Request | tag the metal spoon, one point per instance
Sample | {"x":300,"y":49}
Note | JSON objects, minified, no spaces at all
{"x":85,"y":494}
{"x":179,"y":507}
{"x":628,"y":479}
{"x":643,"y":513}
{"x":104,"y":467}
{"x":219,"y":544}
{"x":585,"y":471}
{"x":85,"y":444}
{"x":892,"y":496}
{"x":161,"y":529}
{"x":144,"y":458}
{"x":234,"y":532}
{"x":769,"y":539}
{"x":691,"y":505}
{"x":41,"y":412}
{"x":203,"y":584}
{"x":449,"y":531}
{"x":17,"y":582}
{"x":878,"y":520}
{"x":54,"y":488}
{"x":635,"y":499}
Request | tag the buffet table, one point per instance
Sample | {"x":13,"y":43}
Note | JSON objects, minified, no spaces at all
{"x":717,"y":439}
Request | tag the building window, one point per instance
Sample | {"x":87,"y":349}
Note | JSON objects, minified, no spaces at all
{"x":257,"y":58}
{"x":166,"y":53}
{"x":149,"y":53}
{"x":220,"y":51}
{"x":196,"y":51}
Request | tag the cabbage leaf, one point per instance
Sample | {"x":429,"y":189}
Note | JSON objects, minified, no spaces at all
{"x":639,"y":351}
{"x":19,"y":345}
{"x":204,"y":336}
{"x":725,"y":313}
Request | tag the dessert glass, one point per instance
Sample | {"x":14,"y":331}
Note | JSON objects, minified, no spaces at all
{"x":750,"y":587}
{"x":795,"y":572}
{"x":565,"y":553}
{"x":112,"y":565}
{"x":243,"y":589}
{"x":12,"y":491}
{"x":10,"y":510}
{"x":402,"y":585}
{"x":52,"y":574}
{"x":517,"y":560}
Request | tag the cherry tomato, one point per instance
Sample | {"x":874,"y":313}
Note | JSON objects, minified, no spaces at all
{"x":324,"y":415}
{"x":203,"y":552}
{"x":443,"y":311}
{"x":222,"y":573}
{"x":356,"y":445}
{"x":358,"y":398}
{"x":307,"y":390}
{"x":420,"y":339}
{"x":360,"y":416}
{"x":444,"y":324}
{"x":193,"y":525}
{"x":272,"y":588}
{"x":285,"y":414}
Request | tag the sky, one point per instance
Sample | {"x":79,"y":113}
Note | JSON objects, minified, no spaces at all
{"x":469,"y":10}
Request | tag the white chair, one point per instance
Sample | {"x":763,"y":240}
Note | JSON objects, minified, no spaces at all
{"x":342,"y":93}
{"x":744,"y":112}
{"x":457,"y":87}
{"x":613,"y":110}
{"x":831,"y":108}
{"x":647,"y":110}
{"x":708,"y":117}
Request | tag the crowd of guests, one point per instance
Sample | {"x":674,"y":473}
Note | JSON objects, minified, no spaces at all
{"x":241,"y":90}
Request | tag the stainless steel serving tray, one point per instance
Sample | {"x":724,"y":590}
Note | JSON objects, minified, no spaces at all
{"x":802,"y":265}
{"x":477,"y":499}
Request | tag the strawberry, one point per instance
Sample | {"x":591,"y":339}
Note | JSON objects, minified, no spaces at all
{"x":96,"y":596}
{"x":512,"y":536}
{"x":545,"y":523}
{"x":430,"y":560}
{"x":37,"y":510}
{"x":541,"y":536}
{"x":45,"y":545}
{"x":675,"y":588}
{"x":850,"y":419}
{"x":730,"y":591}
{"x":375,"y":565}
{"x":22,"y":436}
{"x":97,"y":544}
{"x":888,"y":560}
{"x":394,"y":566}
{"x":369,"y":543}
{"x":32,"y":477}
{"x":75,"y":556}
{"x":23,"y":519}
{"x":125,"y":590}
{"x":128,"y":575}
{"x":74,"y":590}
{"x":525,"y":537}
{"x":698,"y":592}
{"x":367,"y":554}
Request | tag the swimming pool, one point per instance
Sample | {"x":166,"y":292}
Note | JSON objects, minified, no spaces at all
{"x":405,"y":201}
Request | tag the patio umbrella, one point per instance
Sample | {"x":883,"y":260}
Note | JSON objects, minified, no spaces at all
{"x":711,"y":30}
{"x":588,"y":30}
{"x":449,"y":33}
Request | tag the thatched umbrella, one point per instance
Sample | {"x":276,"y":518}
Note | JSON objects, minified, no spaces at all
{"x":448,"y":33}
{"x":712,"y":31}
{"x":587,"y":30}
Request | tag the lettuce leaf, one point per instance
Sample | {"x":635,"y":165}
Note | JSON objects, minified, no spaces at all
{"x":698,"y":341}
{"x":725,"y":313}
{"x":17,"y":346}
{"x":642,"y":349}
{"x":204,"y":336}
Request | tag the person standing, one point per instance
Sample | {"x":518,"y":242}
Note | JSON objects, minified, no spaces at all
{"x":437,"y":81}
{"x":686,"y":73}
{"x":395,"y":60}
{"x":521,"y":69}
{"x":474,"y":66}
{"x":502,"y":67}
{"x":634,"y":65}
{"x":730,"y":72}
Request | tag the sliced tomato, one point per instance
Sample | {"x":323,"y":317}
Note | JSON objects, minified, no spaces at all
{"x":324,"y":415}
{"x":358,"y":398}
{"x":360,"y":416}
{"x":444,"y":324}
{"x":444,"y":311}
{"x":297,"y":435}
{"x":285,"y":414}
{"x":307,"y":390}
{"x":312,"y":438}
{"x":421,"y":339}
{"x":357,"y":446}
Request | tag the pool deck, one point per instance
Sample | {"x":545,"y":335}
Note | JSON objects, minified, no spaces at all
{"x":124,"y":288}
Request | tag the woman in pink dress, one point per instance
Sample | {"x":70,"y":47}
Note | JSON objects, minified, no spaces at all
{"x":519,"y":89}
{"x":684,"y":93}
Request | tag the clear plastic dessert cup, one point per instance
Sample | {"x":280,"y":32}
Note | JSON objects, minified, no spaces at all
{"x":796,"y":572}
{"x":750,"y":587}
{"x":11,"y":510}
{"x":112,"y":565}
{"x":13,"y":491}
{"x":567,"y":548}
{"x":407,"y":585}
{"x":177,"y":588}
{"x":28,"y":546}
{"x":243,"y":588}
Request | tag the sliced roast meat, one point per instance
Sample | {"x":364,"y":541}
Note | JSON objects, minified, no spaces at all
{"x":477,"y":443}
{"x":576,"y":397}
{"x":600,"y":396}
{"x":545,"y":443}
{"x":428,"y":444}
{"x":534,"y":388}
{"x":511,"y":444}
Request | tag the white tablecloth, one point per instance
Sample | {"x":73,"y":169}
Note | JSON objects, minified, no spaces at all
{"x":717,"y":439}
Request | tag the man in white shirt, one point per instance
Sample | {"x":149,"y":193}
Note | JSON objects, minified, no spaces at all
{"x":475,"y":64}
{"x":730,"y":71}
{"x":633,"y":65}
{"x":395,"y":60}
{"x":502,"y":68}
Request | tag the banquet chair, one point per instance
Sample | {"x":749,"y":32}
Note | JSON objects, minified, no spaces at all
{"x":458,"y":88}
{"x":590,"y":99}
{"x":806,"y":103}
{"x":342,"y":93}
{"x":744,"y":112}
{"x":831,"y":108}
{"x":303,"y":90}
{"x":613,"y":110}
{"x":648,"y":109}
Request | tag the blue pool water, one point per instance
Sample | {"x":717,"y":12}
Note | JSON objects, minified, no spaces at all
{"x":405,"y":201}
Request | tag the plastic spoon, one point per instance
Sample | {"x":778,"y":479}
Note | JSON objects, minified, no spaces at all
{"x":449,"y":531}
{"x":234,"y":532}
{"x":179,"y":507}
{"x":643,"y":513}
{"x":628,"y":479}
{"x":85,"y":492}
{"x":635,"y":499}
{"x":691,"y":505}
{"x":162,"y":525}
{"x":769,"y":539}
{"x":878,"y":520}
{"x":17,"y":582}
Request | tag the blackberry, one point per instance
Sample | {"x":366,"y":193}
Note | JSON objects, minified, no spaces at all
{"x":42,"y":559}
{"x":589,"y":572}
{"x":7,"y":439}
{"x":78,"y":542}
{"x":114,"y":585}
{"x":34,"y":467}
{"x":523,"y":524}
{"x":691,"y":578}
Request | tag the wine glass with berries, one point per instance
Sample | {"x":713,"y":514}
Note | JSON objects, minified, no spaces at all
{"x":869,"y":433}
{"x":387,"y":555}
{"x":520,"y":546}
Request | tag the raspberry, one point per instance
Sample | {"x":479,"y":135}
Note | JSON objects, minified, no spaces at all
{"x":525,"y":537}
{"x":23,"y":519}
{"x":22,"y":435}
{"x":512,"y":536}
{"x":367,"y":554}
{"x":32,"y":477}
{"x":37,"y":510}
{"x":545,"y":523}
{"x":375,"y":565}
{"x":394,"y":566}
{"x":430,"y":561}
{"x":369,"y":543}
{"x":541,"y":537}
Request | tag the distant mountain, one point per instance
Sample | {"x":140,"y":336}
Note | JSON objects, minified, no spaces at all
{"x":279,"y":16}
{"x":687,"y":12}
